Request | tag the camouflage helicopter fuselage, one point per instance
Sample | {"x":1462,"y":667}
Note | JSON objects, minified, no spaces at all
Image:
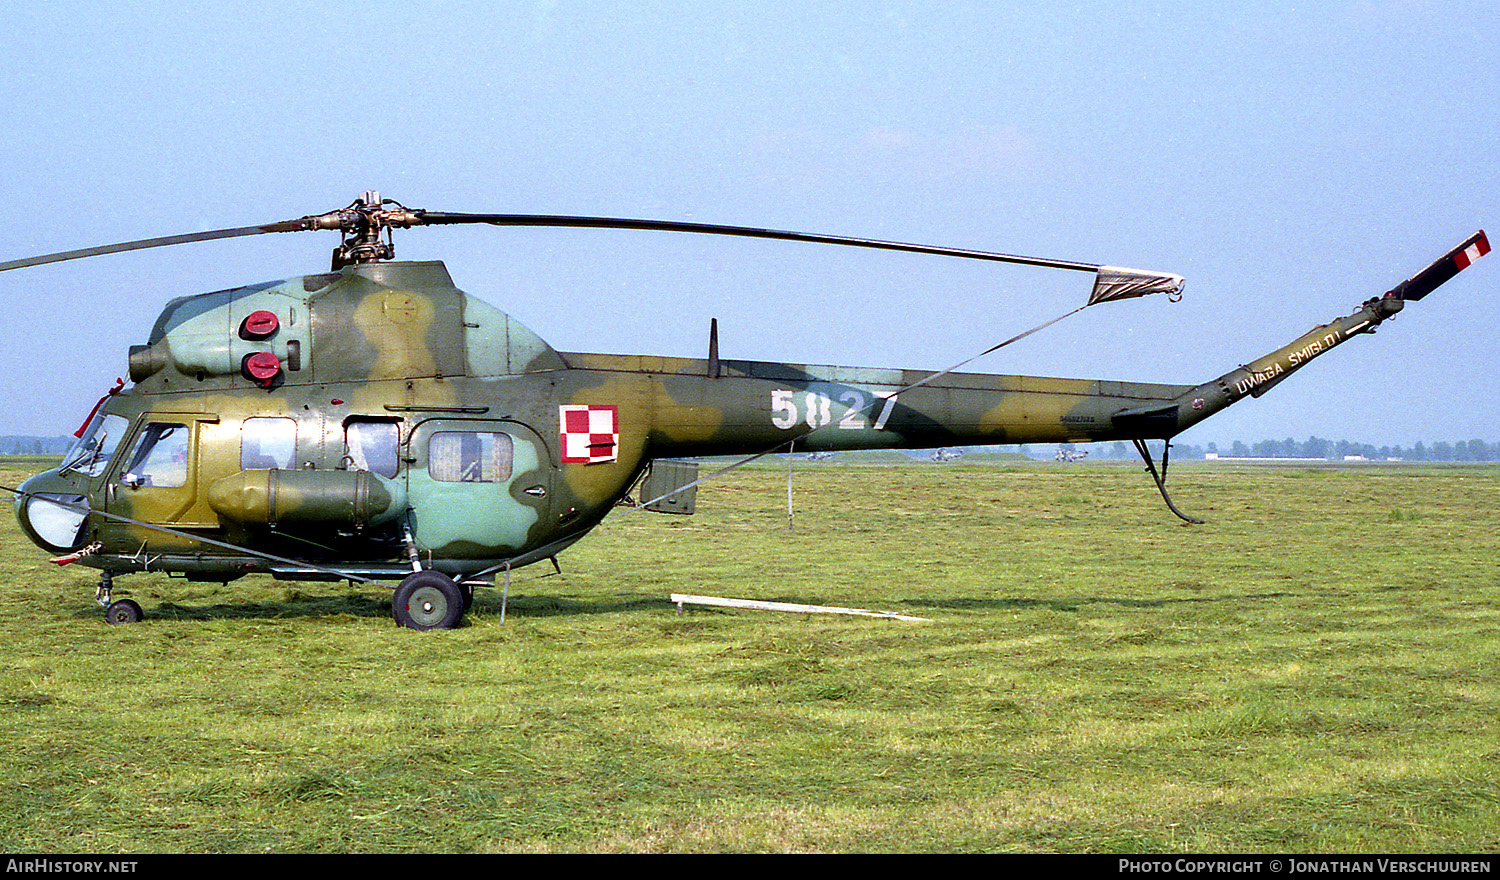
{"x":377,"y":419}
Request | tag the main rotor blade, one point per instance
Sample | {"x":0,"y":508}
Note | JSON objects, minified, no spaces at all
{"x":438,"y":218}
{"x":284,"y":226}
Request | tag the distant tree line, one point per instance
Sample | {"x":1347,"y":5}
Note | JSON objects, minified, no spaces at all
{"x":27,"y":445}
{"x":1317,"y":447}
{"x":1312,"y":447}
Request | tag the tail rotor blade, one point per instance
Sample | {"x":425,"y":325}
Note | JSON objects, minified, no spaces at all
{"x":1445,"y":267}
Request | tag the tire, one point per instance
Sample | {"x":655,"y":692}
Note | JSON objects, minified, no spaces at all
{"x":428,"y":600}
{"x":123,"y":611}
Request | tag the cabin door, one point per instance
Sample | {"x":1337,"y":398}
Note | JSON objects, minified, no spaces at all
{"x":158,"y":477}
{"x":478,"y":488}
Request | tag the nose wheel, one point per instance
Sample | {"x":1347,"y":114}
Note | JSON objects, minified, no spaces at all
{"x":123,"y":611}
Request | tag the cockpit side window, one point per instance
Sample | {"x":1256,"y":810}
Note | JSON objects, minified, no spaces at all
{"x":267,"y":443}
{"x":373,"y":447}
{"x":159,"y":458}
{"x":92,"y":452}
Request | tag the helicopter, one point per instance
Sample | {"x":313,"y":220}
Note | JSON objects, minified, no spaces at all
{"x":374,"y":423}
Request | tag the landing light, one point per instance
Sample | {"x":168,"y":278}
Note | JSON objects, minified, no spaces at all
{"x":56,"y":519}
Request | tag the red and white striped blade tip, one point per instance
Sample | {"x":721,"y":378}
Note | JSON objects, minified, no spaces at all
{"x":1474,"y":251}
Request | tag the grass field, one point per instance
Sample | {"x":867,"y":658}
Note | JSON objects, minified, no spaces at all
{"x":1314,"y":670}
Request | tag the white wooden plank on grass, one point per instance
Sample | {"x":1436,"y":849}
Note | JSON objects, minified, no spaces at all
{"x":687,"y":599}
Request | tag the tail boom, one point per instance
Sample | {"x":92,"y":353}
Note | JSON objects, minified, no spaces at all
{"x":1263,"y":374}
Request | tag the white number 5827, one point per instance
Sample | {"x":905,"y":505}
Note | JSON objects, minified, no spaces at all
{"x":817,"y":409}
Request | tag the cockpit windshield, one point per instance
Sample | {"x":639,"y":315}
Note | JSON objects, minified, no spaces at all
{"x":92,"y":451}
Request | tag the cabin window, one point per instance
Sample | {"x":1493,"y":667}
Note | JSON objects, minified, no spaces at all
{"x":469,"y":456}
{"x":159,"y":457}
{"x":92,"y":452}
{"x":268,"y":443}
{"x":373,"y":447}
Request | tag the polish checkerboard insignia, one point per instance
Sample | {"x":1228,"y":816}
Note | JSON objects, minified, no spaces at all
{"x":590,"y":432}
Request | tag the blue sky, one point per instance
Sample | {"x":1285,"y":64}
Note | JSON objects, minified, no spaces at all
{"x":1291,"y":160}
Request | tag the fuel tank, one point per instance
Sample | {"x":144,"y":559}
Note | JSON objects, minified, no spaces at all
{"x":330,"y":497}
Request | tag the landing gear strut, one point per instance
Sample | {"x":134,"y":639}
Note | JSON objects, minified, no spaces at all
{"x":116,"y":611}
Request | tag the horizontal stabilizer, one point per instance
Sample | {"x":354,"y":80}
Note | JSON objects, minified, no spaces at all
{"x":1448,"y":265}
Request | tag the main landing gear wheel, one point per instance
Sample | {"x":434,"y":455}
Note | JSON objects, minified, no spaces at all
{"x":428,"y":600}
{"x":123,"y":611}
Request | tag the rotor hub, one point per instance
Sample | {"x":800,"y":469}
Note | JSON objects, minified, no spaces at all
{"x":366,"y":226}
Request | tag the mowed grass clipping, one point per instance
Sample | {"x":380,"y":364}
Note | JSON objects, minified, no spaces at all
{"x":1316,"y":669}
